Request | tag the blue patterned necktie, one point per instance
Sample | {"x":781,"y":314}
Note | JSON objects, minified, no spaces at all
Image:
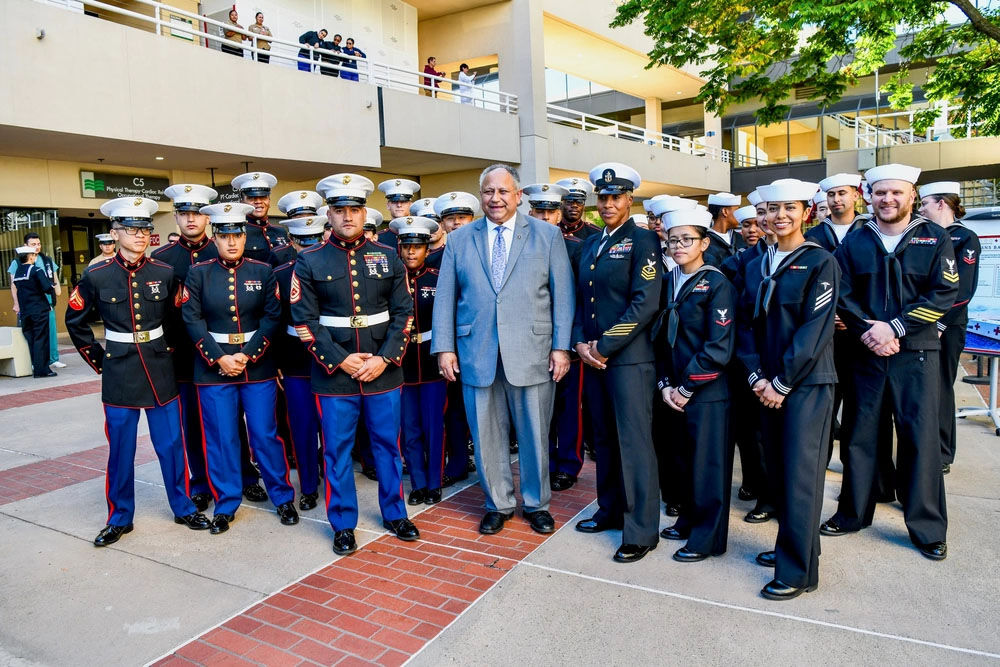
{"x":498,"y":262}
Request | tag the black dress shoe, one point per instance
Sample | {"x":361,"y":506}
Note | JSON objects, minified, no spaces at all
{"x":287,"y":514}
{"x":671,"y":533}
{"x":417,"y":497}
{"x":343,"y":542}
{"x":560,"y":481}
{"x":935,"y":550}
{"x":201,"y":501}
{"x":432,"y":497}
{"x":369,"y":472}
{"x":682,"y":555}
{"x":111,"y":534}
{"x":592,"y":525}
{"x":831,"y":528}
{"x":673,"y":509}
{"x":403,"y":529}
{"x":307,"y":501}
{"x":493,"y":522}
{"x":220,"y":523}
{"x":777,"y":590}
{"x":758,"y":516}
{"x":448,"y":480}
{"x":766,"y":558}
{"x":254,"y":493}
{"x":630,"y":553}
{"x":746,"y":494}
{"x":50,"y":374}
{"x":945,"y":468}
{"x":541,"y":521}
{"x":194,"y":521}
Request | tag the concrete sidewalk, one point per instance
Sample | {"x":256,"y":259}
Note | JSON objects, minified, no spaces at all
{"x":270,"y":594}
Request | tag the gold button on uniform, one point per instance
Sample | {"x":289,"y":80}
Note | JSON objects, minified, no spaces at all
{"x":232,"y":297}
{"x":329,"y":277}
{"x":357,"y":309}
{"x":135,"y":295}
{"x":354,"y":272}
{"x":232,"y":309}
{"x":231,"y":279}
{"x":194,"y":254}
{"x":235,"y":319}
{"x":354,"y":262}
{"x":113,"y":299}
{"x":354,"y":284}
{"x":232,"y":270}
{"x":135,"y":284}
{"x":591,"y":267}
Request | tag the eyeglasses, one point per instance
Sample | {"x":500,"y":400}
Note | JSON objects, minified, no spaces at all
{"x":136,"y":231}
{"x":683,"y":242}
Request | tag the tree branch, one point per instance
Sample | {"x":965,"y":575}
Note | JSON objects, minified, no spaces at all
{"x":979,"y":22}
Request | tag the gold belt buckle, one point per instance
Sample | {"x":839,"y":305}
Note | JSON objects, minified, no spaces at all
{"x":236,"y":339}
{"x":359,"y":321}
{"x":141,"y":336}
{"x":419,"y":338}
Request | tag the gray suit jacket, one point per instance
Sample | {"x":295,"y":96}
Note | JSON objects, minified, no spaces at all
{"x":530,"y":315}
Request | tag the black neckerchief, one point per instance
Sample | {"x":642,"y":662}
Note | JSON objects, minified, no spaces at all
{"x":890,"y":260}
{"x":769,"y":274}
{"x":670,"y":312}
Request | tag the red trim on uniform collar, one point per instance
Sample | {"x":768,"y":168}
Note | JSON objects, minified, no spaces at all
{"x":230,"y":264}
{"x":420,"y":271}
{"x":338,"y":241}
{"x":128,"y":266}
{"x":569,"y":230}
{"x":197,"y":245}
{"x":257,"y":222}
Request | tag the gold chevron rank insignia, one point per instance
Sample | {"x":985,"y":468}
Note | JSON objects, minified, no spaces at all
{"x":950,"y":276}
{"x":621,"y":329}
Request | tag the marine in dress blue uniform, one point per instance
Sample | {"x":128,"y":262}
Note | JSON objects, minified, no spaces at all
{"x":424,"y":389}
{"x":33,"y":291}
{"x":265,"y":242}
{"x":618,"y":293}
{"x":573,"y":205}
{"x":232,"y":309}
{"x":351,"y":307}
{"x":895,"y":289}
{"x":399,"y":193}
{"x":566,"y":428}
{"x":295,"y":365}
{"x":132,"y":295}
{"x":941,"y":203}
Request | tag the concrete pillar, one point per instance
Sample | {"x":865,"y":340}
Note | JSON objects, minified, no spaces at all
{"x":654,"y":117}
{"x":522,"y":72}
{"x":713,"y":130}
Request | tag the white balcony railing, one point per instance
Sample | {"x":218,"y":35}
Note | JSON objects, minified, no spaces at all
{"x":869,"y":135}
{"x":369,"y":71}
{"x":598,"y":125}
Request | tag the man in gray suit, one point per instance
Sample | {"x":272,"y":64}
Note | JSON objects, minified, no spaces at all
{"x":503,"y":318}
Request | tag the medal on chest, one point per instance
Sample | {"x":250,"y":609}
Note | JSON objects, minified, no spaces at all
{"x":620,"y":249}
{"x":253,"y":285}
{"x":377,"y":264}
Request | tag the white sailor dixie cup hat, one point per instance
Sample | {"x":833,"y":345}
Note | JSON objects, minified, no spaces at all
{"x":647,"y":204}
{"x":820,"y":197}
{"x":896,"y":172}
{"x":577,"y":188}
{"x":345,"y":189}
{"x":104,"y":238}
{"x":130,"y":211}
{"x":661,"y":204}
{"x":724,"y":199}
{"x":307,"y":229}
{"x":677,"y":212}
{"x":745,"y":213}
{"x":840,"y":180}
{"x":424,"y":208}
{"x":451,"y":203}
{"x":190,"y":197}
{"x":254,"y":184}
{"x":398,"y":189}
{"x":300,"y":202}
{"x":545,"y":195}
{"x":613,"y":178}
{"x":940,"y":188}
{"x":373,"y":218}
{"x":788,"y":189}
{"x":413,"y":229}
{"x":754,"y":198}
{"x":25,"y":250}
{"x":227,"y":218}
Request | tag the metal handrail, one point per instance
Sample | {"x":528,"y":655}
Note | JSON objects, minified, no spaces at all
{"x":371,"y":71}
{"x":600,"y":125}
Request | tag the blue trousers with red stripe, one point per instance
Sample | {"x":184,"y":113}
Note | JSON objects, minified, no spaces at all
{"x":303,"y":423}
{"x":566,"y":429}
{"x":339,"y":419}
{"x":220,"y":405}
{"x":422,"y":429}
{"x":191,"y":418}
{"x":166,"y":432}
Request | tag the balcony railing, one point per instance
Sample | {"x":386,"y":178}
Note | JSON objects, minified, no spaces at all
{"x":869,"y":135}
{"x":369,"y":71}
{"x":599,"y":125}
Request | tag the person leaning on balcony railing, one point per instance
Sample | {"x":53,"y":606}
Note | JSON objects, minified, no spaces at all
{"x":351,"y":50}
{"x":233,"y":36}
{"x":331,"y":59}
{"x":431,"y":69}
{"x":258,"y":28}
{"x":313,"y":38}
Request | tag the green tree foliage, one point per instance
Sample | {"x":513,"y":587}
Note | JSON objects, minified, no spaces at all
{"x":763,"y":49}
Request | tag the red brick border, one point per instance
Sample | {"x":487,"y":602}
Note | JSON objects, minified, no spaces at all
{"x":49,"y":394}
{"x":384,"y":603}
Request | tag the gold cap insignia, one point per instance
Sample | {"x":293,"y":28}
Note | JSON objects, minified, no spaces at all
{"x":138,"y":201}
{"x":454,"y":195}
{"x":347,"y":179}
{"x":303,"y":195}
{"x":187,"y":188}
{"x":409,"y":221}
{"x":256,"y":176}
{"x":545,"y":188}
{"x":399,"y":182}
{"x":227,"y":208}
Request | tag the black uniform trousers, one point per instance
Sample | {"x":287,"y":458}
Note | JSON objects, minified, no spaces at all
{"x":701,"y":432}
{"x":621,"y":409}
{"x":910,"y":380}
{"x":795,"y":440}
{"x":456,"y":433}
{"x":35,"y":328}
{"x":673,"y":468}
{"x":952,"y":344}
{"x":745,"y":432}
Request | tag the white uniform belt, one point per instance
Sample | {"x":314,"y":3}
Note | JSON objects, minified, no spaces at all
{"x":423,"y":337}
{"x":137,"y":337}
{"x":232,"y":338}
{"x":354,"y":321}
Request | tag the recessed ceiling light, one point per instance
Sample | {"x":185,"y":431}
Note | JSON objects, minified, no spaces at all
{"x":680,"y":92}
{"x":160,"y":157}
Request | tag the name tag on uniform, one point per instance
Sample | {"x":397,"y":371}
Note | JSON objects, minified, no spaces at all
{"x":377,"y":264}
{"x":621,"y":249}
{"x":923,"y":240}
